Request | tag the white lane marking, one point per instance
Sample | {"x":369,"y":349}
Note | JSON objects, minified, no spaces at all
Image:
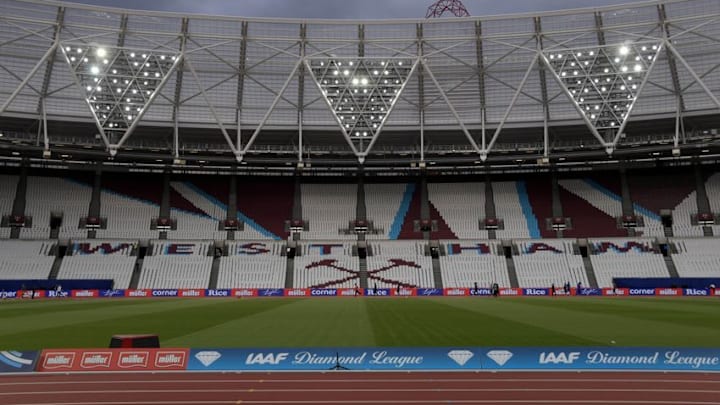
{"x":365,"y":381}
{"x":365,"y":390}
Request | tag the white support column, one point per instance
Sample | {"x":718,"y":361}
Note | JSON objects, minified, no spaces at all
{"x":300,"y":136}
{"x":422,"y":135}
{"x":29,"y":76}
{"x":46,"y":140}
{"x":508,"y":110}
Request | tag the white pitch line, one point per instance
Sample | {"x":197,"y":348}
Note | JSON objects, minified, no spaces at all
{"x":469,"y":401}
{"x":364,"y":390}
{"x":364,"y":381}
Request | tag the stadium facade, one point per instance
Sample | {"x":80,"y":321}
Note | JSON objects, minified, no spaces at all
{"x":629,"y":82}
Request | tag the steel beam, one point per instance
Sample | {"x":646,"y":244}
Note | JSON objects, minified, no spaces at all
{"x":512,"y":104}
{"x":692,"y":72}
{"x":29,"y":76}
{"x":242,"y":61}
{"x":390,"y":109}
{"x":48,"y":75}
{"x":153,"y":96}
{"x":421,"y":89}
{"x":452,"y":109}
{"x":480,"y":60}
{"x":178,"y":90}
{"x":301,"y":90}
{"x":334,"y":114}
{"x":543,"y":87}
{"x":665,"y":26}
{"x":628,"y":113}
{"x":241,"y":152}
{"x":570,"y":97}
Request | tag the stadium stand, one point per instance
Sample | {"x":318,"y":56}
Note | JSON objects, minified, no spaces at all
{"x":461,"y":206}
{"x":652,"y":192}
{"x":264,"y":207}
{"x":541,"y":263}
{"x":387,"y":205}
{"x":625,"y":258}
{"x":129,"y":203}
{"x":56,"y":194}
{"x":401,"y":263}
{"x":177,"y":264}
{"x":196,"y":214}
{"x":587,"y":219}
{"x":252,"y":265}
{"x":328,"y":208}
{"x":100,"y":260}
{"x":513,"y":207}
{"x":712,"y":187}
{"x":470,"y":262}
{"x":326,"y":264}
{"x":697,"y":257}
{"x":21,"y":260}
{"x":7,"y":195}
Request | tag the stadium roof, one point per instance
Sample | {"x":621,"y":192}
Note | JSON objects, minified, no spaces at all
{"x":97,"y":83}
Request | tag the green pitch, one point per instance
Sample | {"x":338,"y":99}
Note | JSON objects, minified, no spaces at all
{"x":274,"y":322}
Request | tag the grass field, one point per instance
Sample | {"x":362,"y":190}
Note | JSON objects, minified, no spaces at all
{"x":289,"y":322}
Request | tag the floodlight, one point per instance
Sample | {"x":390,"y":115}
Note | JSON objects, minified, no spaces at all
{"x":638,"y":67}
{"x":94,"y":70}
{"x":624,"y":50}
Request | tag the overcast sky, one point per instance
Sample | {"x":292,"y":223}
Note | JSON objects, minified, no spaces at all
{"x":353,"y":9}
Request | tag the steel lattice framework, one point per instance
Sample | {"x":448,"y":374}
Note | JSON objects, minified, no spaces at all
{"x":473,"y":88}
{"x":454,"y":7}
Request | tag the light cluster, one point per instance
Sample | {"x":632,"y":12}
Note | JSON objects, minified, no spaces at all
{"x":604,"y":82}
{"x":361,"y":91}
{"x":117,"y":82}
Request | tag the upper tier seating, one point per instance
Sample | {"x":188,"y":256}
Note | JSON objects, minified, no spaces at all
{"x":470,"y":262}
{"x":326,"y":264}
{"x":712,"y":187}
{"x":545,"y":262}
{"x":399,"y":263}
{"x":26,"y":260}
{"x":250,"y":264}
{"x":127,"y":217}
{"x":55,"y":194}
{"x":383,"y":203}
{"x":328,"y":207}
{"x":8,"y":184}
{"x":697,"y":257}
{"x":509,"y":208}
{"x":625,"y":258}
{"x":197,"y":216}
{"x":100,"y":260}
{"x":461,"y":205}
{"x":177,"y":264}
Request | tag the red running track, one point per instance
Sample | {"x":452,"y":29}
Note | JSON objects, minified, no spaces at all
{"x":518,"y":388}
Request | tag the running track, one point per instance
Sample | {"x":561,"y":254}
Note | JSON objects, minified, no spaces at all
{"x":518,"y":388}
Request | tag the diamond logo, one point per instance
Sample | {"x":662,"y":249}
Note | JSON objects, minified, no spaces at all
{"x":500,"y":356}
{"x":461,"y":356}
{"x":207,"y":357}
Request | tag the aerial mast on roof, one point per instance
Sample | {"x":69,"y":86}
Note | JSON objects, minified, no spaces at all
{"x":440,"y":7}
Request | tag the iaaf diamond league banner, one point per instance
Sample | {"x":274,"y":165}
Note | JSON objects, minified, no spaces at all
{"x":473,"y":358}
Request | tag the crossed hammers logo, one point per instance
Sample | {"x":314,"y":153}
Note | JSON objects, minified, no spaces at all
{"x":355,"y":275}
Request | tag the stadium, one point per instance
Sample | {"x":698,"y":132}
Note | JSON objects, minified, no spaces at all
{"x":519,"y":209}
